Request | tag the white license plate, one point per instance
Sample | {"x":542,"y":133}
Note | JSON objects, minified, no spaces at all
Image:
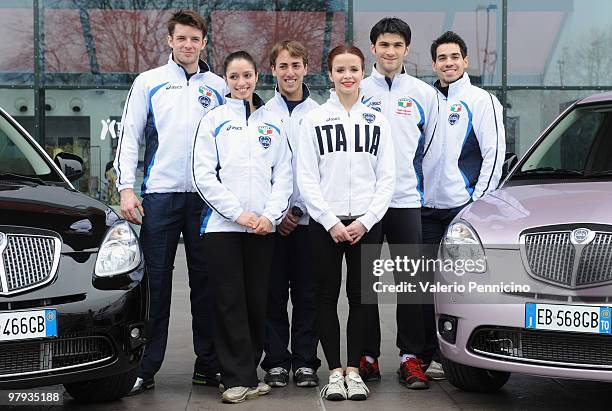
{"x":577,"y":318}
{"x":21,"y":325}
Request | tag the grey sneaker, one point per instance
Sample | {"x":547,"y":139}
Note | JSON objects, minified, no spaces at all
{"x":277,"y":377}
{"x":335,"y":389}
{"x":435,"y":372}
{"x":142,"y":385}
{"x":235,"y":395}
{"x":305,"y":377}
{"x":356,"y":388}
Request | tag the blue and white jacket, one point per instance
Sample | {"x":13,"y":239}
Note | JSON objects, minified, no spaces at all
{"x":292,"y":122}
{"x":411,"y":108}
{"x":163,"y":109}
{"x":463,"y":160}
{"x":241,"y":163}
{"x":346,"y":163}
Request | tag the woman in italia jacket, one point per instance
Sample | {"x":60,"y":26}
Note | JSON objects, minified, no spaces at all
{"x":242,"y":170}
{"x":346,"y":175}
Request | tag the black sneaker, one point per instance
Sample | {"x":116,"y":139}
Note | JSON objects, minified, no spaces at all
{"x":305,"y":377}
{"x":209,"y":380}
{"x":142,"y":385}
{"x":277,"y":377}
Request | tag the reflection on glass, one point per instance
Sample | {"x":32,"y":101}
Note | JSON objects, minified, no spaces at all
{"x":531,"y":111}
{"x":17,"y":45}
{"x":560,"y":43}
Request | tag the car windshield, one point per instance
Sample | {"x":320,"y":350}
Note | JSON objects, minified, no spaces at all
{"x":578,"y":147}
{"x":20,"y":160}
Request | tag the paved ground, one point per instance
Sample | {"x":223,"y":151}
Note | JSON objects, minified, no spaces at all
{"x":174,"y":390}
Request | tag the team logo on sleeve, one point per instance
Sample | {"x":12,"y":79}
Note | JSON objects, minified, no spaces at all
{"x":205,"y":96}
{"x":369,"y":117}
{"x":265,"y":132}
{"x":404,"y":106}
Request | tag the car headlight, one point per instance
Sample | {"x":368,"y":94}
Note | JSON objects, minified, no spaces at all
{"x":463,"y":248}
{"x":119,"y":252}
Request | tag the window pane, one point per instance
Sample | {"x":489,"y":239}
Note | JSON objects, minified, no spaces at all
{"x":559,"y":43}
{"x":17,"y":45}
{"x":86,"y":123}
{"x":529,"y":112}
{"x":478,"y":23}
{"x":89,"y":44}
{"x":319,"y":25}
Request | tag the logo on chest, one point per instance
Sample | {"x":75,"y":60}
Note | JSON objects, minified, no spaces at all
{"x":205,"y":97}
{"x":455,"y":114}
{"x":265,"y":134}
{"x":404,"y":107}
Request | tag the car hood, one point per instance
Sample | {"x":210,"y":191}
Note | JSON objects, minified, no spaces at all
{"x":80,"y":220}
{"x":501,"y":216}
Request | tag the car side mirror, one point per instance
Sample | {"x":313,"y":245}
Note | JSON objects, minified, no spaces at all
{"x":70,"y":164}
{"x":509,"y":162}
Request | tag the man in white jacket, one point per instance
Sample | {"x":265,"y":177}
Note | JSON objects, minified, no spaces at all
{"x":162,"y":111}
{"x":292,"y":264}
{"x":410,"y":106}
{"x":463,"y":159}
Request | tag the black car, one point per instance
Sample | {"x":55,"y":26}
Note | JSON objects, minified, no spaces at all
{"x":73,"y":287}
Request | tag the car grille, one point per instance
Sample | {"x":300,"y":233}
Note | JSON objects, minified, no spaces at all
{"x":552,"y":257}
{"x":545,"y":347}
{"x":27,"y":261}
{"x":30,"y":357}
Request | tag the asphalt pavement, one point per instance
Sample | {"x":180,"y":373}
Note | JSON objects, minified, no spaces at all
{"x":174,"y":390}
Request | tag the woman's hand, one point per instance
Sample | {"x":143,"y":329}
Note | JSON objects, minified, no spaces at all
{"x":248,"y":220}
{"x":356,"y":230}
{"x":263,"y":227}
{"x":339,"y":233}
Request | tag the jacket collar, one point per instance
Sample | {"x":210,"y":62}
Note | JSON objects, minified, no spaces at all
{"x":282,"y":100}
{"x":382,"y":79}
{"x":335,"y":101}
{"x":457,"y":87}
{"x":243,"y":105}
{"x":180,"y":70}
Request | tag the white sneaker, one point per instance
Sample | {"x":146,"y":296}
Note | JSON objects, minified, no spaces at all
{"x":356,"y":388}
{"x":435,"y":371}
{"x":335,"y":389}
{"x":263,"y":388}
{"x":235,"y":395}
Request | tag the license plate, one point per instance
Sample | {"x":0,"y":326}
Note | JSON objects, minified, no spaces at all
{"x":577,"y":318}
{"x":21,"y":325}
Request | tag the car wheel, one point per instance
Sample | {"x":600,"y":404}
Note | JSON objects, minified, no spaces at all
{"x":103,"y":389}
{"x":473,"y":379}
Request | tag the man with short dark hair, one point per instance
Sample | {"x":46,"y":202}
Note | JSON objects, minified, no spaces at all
{"x":410,"y":106}
{"x":463,"y":159}
{"x":292,"y":264}
{"x":162,"y":110}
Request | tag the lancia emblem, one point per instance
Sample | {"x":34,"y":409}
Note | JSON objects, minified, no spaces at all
{"x":582,"y":236}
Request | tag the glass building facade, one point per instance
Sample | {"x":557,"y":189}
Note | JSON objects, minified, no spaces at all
{"x":66,"y":65}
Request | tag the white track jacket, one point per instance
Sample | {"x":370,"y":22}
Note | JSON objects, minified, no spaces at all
{"x":241,"y":163}
{"x":411,"y":107}
{"x":463,"y":160}
{"x":163,"y":109}
{"x":278,"y":105}
{"x":346,"y":165}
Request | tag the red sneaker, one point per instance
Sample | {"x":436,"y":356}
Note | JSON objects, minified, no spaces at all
{"x":369,"y":371}
{"x":411,"y":374}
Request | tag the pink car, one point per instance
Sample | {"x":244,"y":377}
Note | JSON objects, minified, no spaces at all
{"x":542,"y":304}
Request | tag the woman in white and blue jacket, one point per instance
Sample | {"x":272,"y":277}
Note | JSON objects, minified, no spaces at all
{"x":242,"y":169}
